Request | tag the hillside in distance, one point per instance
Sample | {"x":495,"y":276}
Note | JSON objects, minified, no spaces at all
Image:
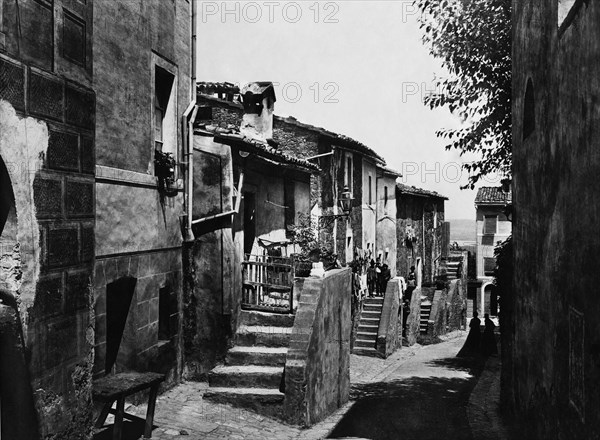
{"x":462,"y":230}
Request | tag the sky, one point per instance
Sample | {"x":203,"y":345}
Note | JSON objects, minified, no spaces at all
{"x":355,"y":67}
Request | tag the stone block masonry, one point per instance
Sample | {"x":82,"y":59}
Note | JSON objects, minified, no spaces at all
{"x":317,"y":369}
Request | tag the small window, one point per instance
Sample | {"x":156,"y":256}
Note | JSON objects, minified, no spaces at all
{"x":289,"y":202}
{"x":490,"y":224}
{"x":348,"y":176}
{"x":370,"y":190}
{"x":385,"y":200}
{"x":489,"y":265}
{"x":164,"y":314}
{"x":165,"y":130}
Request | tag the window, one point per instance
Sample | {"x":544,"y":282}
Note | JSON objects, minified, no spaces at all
{"x":348,"y":174}
{"x":289,"y":202}
{"x":164,"y":314}
{"x":489,"y":265}
{"x":385,"y":200}
{"x":370,"y":190}
{"x":490,"y":224}
{"x":165,"y":130}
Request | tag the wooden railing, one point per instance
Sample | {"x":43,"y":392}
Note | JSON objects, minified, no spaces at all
{"x":267,"y":283}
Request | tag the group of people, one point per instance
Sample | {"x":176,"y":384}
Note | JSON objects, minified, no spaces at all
{"x":378,"y":276}
{"x":478,"y":343}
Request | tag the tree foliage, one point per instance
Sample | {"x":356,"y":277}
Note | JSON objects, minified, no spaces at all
{"x":472,"y":38}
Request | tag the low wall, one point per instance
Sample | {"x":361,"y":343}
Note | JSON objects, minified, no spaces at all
{"x":448,"y":309}
{"x":412,"y":322}
{"x":317,"y":367}
{"x":389,"y":334}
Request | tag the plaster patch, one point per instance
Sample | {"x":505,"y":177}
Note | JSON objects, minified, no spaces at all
{"x":23,"y":145}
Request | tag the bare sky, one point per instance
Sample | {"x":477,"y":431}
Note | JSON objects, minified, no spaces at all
{"x":355,"y":67}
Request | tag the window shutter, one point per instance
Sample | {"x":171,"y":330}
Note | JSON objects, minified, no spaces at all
{"x":489,"y":265}
{"x":490,"y":224}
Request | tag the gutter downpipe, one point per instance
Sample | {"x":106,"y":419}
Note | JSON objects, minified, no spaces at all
{"x":189,"y":116}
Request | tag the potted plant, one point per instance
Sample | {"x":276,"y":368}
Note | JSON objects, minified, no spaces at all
{"x":164,"y":169}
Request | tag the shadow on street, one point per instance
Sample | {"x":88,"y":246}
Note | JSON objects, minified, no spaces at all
{"x":415,"y":407}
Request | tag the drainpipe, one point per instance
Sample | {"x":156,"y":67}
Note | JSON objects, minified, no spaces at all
{"x":188,"y":141}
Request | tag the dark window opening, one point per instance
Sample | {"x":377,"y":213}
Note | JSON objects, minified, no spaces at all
{"x":163,"y":83}
{"x":489,"y":265}
{"x":349,"y":172}
{"x":118,"y":301}
{"x":165,"y":310}
{"x":370,"y":190}
{"x":385,"y":200}
{"x":290,"y":205}
{"x":529,"y":110}
{"x":490,"y":224}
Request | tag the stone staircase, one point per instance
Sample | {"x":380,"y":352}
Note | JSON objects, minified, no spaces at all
{"x":253,"y":369}
{"x":452,"y":269}
{"x":366,"y":336}
{"x":424,"y":316}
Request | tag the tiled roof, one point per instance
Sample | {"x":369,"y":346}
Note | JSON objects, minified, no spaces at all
{"x":413,"y":190}
{"x":207,"y":90}
{"x":342,"y":140}
{"x":390,"y":171}
{"x":493,"y":195}
{"x":232,"y":133}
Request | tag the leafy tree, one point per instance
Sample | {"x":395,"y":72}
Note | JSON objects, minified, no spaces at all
{"x":473,"y":40}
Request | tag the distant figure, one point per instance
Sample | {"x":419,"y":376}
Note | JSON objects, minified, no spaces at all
{"x":371,"y":278}
{"x":383,"y":278}
{"x":471,"y":347}
{"x":377,"y":272}
{"x":411,"y":281}
{"x":488,"y":341}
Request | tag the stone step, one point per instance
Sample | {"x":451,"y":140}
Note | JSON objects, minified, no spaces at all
{"x":364,"y":343}
{"x":245,"y":376}
{"x":368,"y":328}
{"x":366,"y":335}
{"x":372,"y":308}
{"x":267,"y":401}
{"x":365,"y":351}
{"x":268,"y":356}
{"x":267,"y":336}
{"x":374,"y":300}
{"x":253,"y":317}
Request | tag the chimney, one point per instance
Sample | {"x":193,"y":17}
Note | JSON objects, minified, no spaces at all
{"x":259,"y":102}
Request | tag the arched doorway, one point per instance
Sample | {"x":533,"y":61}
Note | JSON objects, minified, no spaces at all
{"x":490,"y":300}
{"x":17,"y":411}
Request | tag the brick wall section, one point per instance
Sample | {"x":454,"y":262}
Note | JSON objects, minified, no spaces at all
{"x":317,"y":370}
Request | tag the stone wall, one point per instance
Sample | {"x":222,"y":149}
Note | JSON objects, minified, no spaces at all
{"x":47,"y":147}
{"x":413,"y":320}
{"x":386,"y":227}
{"x":556,"y":90}
{"x":389,"y":334}
{"x":317,"y":369}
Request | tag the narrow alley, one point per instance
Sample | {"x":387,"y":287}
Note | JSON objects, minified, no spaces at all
{"x":391,"y":398}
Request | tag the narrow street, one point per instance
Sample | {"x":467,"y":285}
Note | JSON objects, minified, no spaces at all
{"x":420,"y":392}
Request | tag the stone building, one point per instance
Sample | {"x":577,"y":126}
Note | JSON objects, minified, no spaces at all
{"x":493,"y":226}
{"x":343,"y":161}
{"x":246,"y":196}
{"x":420,"y":231}
{"x":552,"y":360}
{"x":83,"y":229}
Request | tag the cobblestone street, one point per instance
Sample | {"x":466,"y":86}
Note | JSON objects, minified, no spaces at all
{"x":422,"y":392}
